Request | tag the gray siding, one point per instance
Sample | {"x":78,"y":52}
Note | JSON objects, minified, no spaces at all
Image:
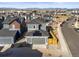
{"x":6,"y":40}
{"x":32,"y":26}
{"x":5,"y":26}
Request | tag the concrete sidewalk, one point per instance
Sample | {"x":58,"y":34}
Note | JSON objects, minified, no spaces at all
{"x":64,"y":47}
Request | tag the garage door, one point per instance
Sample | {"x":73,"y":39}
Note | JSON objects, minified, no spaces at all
{"x":38,"y":40}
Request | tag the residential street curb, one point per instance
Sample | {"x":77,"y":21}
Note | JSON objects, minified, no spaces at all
{"x":64,"y":47}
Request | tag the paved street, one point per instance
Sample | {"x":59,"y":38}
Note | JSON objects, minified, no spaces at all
{"x":72,"y":37}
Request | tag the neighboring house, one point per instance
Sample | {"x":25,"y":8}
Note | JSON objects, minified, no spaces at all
{"x":8,"y":37}
{"x":14,"y":23}
{"x":37,"y":24}
{"x":32,"y":25}
{"x":33,"y":15}
{"x":37,"y":34}
{"x":47,"y":17}
{"x":43,"y":22}
{"x":7,"y":22}
{"x":28,"y":17}
{"x":38,"y":38}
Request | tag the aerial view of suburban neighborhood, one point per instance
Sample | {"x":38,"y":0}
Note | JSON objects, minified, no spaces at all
{"x":39,"y":29}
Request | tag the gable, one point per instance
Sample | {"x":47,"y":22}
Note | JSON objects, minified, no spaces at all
{"x":17,"y":25}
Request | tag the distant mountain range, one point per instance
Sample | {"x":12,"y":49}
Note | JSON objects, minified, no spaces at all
{"x":4,"y":8}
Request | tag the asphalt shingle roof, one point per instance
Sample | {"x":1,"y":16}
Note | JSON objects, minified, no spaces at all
{"x":21,"y":52}
{"x":9,"y":19}
{"x":38,"y":21}
{"x":44,"y":33}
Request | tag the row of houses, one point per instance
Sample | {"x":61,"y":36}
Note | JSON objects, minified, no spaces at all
{"x":11,"y":29}
{"x":34,"y":29}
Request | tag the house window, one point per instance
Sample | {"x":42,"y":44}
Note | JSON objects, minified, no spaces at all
{"x":34,"y":26}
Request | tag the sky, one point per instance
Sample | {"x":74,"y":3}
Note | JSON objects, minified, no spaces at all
{"x":39,"y":4}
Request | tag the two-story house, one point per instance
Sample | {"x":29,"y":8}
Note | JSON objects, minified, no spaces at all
{"x":37,"y":34}
{"x":14,"y":23}
{"x":7,"y":21}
